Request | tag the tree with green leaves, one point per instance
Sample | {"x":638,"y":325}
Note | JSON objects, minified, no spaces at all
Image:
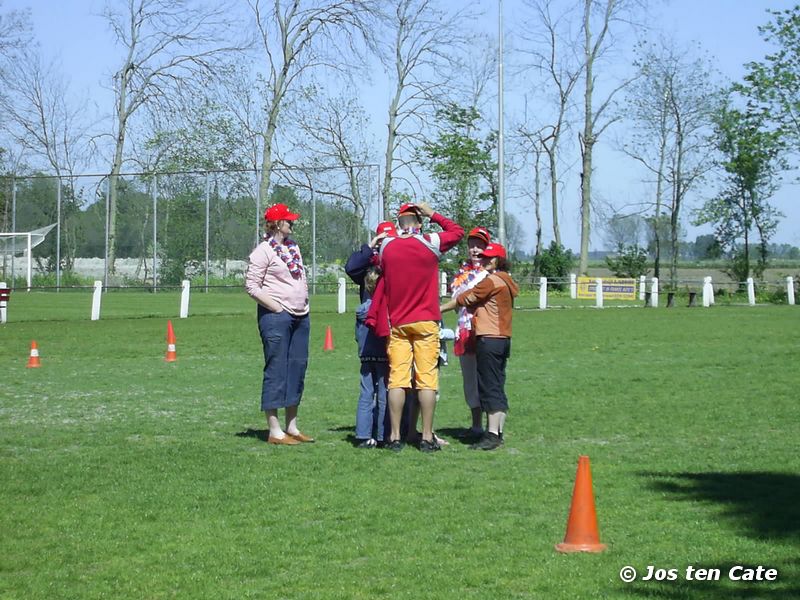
{"x":774,"y":83}
{"x":752,"y":161}
{"x":555,"y":263}
{"x":630,"y":261}
{"x":460,"y":161}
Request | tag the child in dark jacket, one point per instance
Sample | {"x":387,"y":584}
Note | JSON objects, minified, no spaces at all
{"x":371,"y":411}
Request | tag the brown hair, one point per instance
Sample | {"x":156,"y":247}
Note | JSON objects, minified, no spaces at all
{"x":503,"y":264}
{"x":371,"y":279}
{"x":271,"y":227}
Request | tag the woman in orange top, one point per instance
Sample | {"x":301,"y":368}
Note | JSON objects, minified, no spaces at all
{"x":492,"y":303}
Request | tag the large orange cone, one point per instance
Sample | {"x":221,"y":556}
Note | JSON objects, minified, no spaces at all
{"x":328,"y":339}
{"x":172,"y":355}
{"x":582,"y":534}
{"x":33,"y":360}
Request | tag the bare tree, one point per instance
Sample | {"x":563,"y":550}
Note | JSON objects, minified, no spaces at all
{"x":39,"y":117}
{"x":605,"y":13}
{"x":331,"y":142}
{"x":50,"y":130}
{"x":533,"y":148}
{"x":297,"y":37}
{"x":552,"y":43}
{"x":15,"y":31}
{"x":420,"y":60}
{"x":672,"y":103}
{"x":15,"y":35}
{"x":170,"y":46}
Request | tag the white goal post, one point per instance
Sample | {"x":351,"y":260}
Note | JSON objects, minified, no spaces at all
{"x":13,"y":244}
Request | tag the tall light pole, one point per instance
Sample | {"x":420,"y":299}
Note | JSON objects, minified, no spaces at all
{"x":501,"y":184}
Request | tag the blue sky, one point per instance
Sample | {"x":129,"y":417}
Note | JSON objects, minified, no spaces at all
{"x":72,"y":31}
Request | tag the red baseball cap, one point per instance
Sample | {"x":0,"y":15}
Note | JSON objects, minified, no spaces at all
{"x":386,"y":227}
{"x":409,"y":208}
{"x":481,"y":233}
{"x":494,"y":250}
{"x":280,"y":212}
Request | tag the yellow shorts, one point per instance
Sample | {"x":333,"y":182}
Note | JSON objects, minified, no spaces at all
{"x":414,"y":345}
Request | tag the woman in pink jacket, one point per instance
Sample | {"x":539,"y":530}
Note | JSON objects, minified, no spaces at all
{"x":276,"y":280}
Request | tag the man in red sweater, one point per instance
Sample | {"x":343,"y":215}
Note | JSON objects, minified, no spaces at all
{"x":410,"y":289}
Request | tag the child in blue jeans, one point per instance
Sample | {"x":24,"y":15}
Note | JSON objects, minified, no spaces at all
{"x":371,"y":411}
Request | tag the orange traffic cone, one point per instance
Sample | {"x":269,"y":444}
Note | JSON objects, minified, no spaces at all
{"x":328,"y":339}
{"x":171,"y":354}
{"x":582,"y":534}
{"x":33,"y":360}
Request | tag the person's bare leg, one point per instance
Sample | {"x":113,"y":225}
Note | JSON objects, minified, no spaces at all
{"x":397,"y":400}
{"x":427,"y":405}
{"x":412,"y":435}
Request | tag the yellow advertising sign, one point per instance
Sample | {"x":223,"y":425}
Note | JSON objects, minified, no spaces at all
{"x":613,"y":288}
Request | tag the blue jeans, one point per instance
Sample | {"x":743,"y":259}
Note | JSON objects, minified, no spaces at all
{"x":285,"y":340}
{"x":371,"y":411}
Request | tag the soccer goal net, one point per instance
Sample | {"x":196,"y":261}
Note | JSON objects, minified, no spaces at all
{"x":22,"y":244}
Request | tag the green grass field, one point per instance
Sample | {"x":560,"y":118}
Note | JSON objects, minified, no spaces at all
{"x":122,"y":476}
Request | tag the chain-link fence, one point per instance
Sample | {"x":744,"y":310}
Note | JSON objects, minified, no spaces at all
{"x":166,"y":227}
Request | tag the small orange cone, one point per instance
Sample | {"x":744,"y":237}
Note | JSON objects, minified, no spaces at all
{"x":582,"y":534}
{"x":328,"y":339}
{"x":33,"y":360}
{"x":171,"y":354}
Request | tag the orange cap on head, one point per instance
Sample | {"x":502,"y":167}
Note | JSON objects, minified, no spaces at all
{"x":280,"y":212}
{"x":494,"y":250}
{"x":481,"y":233}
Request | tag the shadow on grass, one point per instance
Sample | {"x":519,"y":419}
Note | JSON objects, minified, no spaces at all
{"x":460,"y":434}
{"x":764,"y":504}
{"x":261,"y":434}
{"x":785,"y":586}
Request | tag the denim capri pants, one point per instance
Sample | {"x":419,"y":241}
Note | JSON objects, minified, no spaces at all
{"x":285,"y":340}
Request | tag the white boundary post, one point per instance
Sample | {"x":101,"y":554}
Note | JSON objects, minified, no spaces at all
{"x":185,"y":298}
{"x":598,"y":294}
{"x":542,"y":293}
{"x":642,"y":286}
{"x":790,"y":290}
{"x":30,"y":260}
{"x":96,"y":296}
{"x":573,"y":286}
{"x":707,"y":291}
{"x":442,"y":284}
{"x":342,"y":300}
{"x":751,"y":292}
{"x":3,"y":305}
{"x":654,"y":292}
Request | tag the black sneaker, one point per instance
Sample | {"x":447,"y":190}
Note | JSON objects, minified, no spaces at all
{"x":367,"y":444}
{"x":394,"y":446}
{"x":489,"y":441}
{"x":432,"y":446}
